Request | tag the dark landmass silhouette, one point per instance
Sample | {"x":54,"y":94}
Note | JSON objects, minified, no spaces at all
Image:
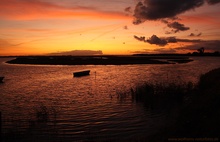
{"x":99,"y":60}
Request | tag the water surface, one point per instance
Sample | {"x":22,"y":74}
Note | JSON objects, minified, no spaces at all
{"x":87,"y":108}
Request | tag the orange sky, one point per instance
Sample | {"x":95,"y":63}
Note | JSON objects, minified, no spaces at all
{"x":35,"y":27}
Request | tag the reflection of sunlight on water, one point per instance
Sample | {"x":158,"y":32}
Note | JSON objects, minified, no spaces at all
{"x":89,"y":105}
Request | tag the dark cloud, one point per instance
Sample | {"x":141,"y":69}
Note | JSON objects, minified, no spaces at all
{"x":164,"y":40}
{"x":156,"y":40}
{"x":211,"y":45}
{"x":213,"y":1}
{"x":142,"y":38}
{"x":171,"y":40}
{"x":79,"y":52}
{"x":152,"y":40}
{"x":168,"y":32}
{"x":176,"y":26}
{"x":192,"y":34}
{"x":189,"y":40}
{"x":160,"y":9}
{"x":165,"y":21}
{"x":158,"y":50}
{"x":128,"y":9}
{"x":175,"y":40}
{"x":165,"y":50}
{"x":144,"y":51}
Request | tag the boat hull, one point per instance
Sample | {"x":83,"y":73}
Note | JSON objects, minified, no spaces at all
{"x":1,"y":79}
{"x":81,"y":73}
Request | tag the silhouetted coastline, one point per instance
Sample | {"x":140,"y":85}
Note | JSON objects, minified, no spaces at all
{"x":99,"y":60}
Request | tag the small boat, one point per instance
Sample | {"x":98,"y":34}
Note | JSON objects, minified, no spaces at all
{"x":1,"y":78}
{"x":81,"y":73}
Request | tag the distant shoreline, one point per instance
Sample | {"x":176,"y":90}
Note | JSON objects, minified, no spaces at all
{"x":99,"y":60}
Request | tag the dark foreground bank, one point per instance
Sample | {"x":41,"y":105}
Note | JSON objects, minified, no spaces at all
{"x":98,"y":60}
{"x":200,"y":118}
{"x":193,"y":110}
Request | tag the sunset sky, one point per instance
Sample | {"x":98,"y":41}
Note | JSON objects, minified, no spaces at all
{"x":36,"y":27}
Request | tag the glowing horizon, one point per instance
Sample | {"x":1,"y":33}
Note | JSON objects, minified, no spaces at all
{"x":39,"y":27}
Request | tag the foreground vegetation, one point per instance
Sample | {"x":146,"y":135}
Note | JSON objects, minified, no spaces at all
{"x":200,"y":118}
{"x":197,"y":108}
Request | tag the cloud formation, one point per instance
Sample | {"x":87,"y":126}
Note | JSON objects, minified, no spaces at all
{"x":209,"y":45}
{"x":160,"y":9}
{"x":213,"y":1}
{"x":152,"y":40}
{"x":176,"y":26}
{"x":193,"y":35}
{"x":141,"y":38}
{"x":195,"y":44}
{"x":128,"y":9}
{"x":162,"y":41}
{"x":165,"y":50}
{"x":156,"y":40}
{"x":158,"y":50}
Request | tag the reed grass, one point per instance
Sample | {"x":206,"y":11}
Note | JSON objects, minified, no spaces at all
{"x":198,"y":115}
{"x":41,"y":126}
{"x":160,"y":93}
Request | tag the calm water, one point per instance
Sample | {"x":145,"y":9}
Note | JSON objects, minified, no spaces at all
{"x":86,"y":108}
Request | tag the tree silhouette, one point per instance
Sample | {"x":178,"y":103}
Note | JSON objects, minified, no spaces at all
{"x":201,"y":50}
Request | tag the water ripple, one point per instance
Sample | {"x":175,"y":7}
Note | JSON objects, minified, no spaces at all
{"x":48,"y":100}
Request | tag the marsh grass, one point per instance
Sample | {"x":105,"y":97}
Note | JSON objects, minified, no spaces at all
{"x":41,"y":126}
{"x":197,"y":107}
{"x":159,"y":93}
{"x":198,"y":116}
